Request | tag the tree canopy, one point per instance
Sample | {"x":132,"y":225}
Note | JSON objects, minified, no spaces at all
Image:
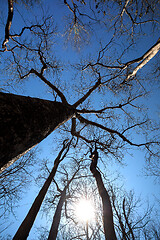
{"x":97,"y":62}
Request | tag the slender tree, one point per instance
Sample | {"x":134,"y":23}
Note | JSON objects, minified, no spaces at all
{"x":57,"y":216}
{"x":14,"y":180}
{"x":106,"y":202}
{"x":26,"y":225}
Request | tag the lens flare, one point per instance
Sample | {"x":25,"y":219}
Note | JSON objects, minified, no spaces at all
{"x":84,"y":210}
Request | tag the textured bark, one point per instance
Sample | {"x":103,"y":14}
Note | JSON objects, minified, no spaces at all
{"x":25,"y":122}
{"x":24,"y":229}
{"x":107,"y":208}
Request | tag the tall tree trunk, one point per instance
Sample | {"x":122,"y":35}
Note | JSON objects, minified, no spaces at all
{"x":25,"y":122}
{"x":27,"y":224}
{"x":57,"y":216}
{"x":107,"y":208}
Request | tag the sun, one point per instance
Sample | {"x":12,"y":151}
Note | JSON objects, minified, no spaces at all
{"x":84,"y":210}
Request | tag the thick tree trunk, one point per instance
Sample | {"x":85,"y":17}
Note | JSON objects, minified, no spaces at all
{"x":24,"y":229}
{"x":57,"y":216}
{"x":25,"y":122}
{"x":107,"y":208}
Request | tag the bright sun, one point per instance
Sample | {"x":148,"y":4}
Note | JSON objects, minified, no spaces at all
{"x":84,"y":210}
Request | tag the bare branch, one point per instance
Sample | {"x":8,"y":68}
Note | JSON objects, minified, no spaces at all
{"x":110,"y":107}
{"x":124,"y":8}
{"x":127,"y":221}
{"x":81,"y":100}
{"x":144,"y":59}
{"x":102,"y":65}
{"x":111,"y":131}
{"x":60,"y":94}
{"x":8,"y":24}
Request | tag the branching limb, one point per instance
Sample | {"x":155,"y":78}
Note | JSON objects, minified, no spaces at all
{"x":69,"y":7}
{"x":102,"y":65}
{"x":111,"y":131}
{"x":44,"y":65}
{"x":77,"y":134}
{"x":143,"y":60}
{"x":135,"y":125}
{"x":127,"y":221}
{"x":103,"y":146}
{"x":124,"y":8}
{"x":81,"y":100}
{"x":27,"y":28}
{"x":40,"y":75}
{"x":54,"y":88}
{"x":129,"y":101}
{"x":8,"y":24}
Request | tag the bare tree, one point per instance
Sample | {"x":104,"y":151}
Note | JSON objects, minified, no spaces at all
{"x":14,"y":181}
{"x":26,"y":225}
{"x":121,"y":79}
{"x":129,"y":221}
{"x":106,"y":202}
{"x":102,"y":103}
{"x":56,"y":219}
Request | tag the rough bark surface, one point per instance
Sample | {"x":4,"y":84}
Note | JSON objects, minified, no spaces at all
{"x":25,"y":122}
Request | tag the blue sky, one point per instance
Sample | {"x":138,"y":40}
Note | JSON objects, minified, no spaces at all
{"x":132,"y":173}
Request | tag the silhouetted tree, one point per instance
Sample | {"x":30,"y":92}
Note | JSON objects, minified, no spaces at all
{"x":101,"y":98}
{"x":26,"y":225}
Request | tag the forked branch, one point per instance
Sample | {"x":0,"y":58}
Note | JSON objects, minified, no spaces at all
{"x":143,"y":60}
{"x":112,"y":131}
{"x":81,"y":100}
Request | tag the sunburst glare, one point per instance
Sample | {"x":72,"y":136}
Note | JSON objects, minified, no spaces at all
{"x":84,"y":210}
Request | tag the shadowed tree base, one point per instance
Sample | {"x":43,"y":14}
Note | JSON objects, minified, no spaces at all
{"x":25,"y":122}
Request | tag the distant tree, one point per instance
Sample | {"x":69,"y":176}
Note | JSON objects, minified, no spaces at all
{"x":26,"y":225}
{"x":129,"y":221}
{"x":106,"y":202}
{"x":57,"y":216}
{"x":14,"y":181}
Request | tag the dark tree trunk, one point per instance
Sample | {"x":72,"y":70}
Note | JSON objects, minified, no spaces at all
{"x":107,"y":208}
{"x":24,"y":229}
{"x":57,"y":216}
{"x":25,"y":122}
